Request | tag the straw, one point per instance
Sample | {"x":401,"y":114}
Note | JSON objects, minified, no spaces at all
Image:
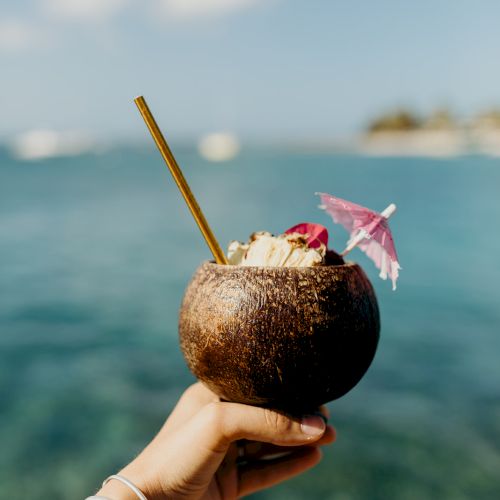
{"x":179,"y":179}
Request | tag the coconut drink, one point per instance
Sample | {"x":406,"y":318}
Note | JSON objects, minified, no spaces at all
{"x":294,"y":332}
{"x":283,"y":322}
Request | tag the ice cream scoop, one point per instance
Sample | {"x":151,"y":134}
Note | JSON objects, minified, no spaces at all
{"x":285,"y":250}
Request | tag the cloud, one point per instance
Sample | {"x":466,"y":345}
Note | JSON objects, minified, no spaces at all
{"x":92,"y":10}
{"x":203,"y":8}
{"x":17,"y":36}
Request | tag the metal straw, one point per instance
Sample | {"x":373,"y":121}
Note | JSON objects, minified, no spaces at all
{"x":179,"y":179}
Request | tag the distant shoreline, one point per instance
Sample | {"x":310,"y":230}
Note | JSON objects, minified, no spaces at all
{"x":393,"y":143}
{"x":434,"y":143}
{"x":438,"y":135}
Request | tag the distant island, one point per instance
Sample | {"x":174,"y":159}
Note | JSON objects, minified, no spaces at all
{"x":404,"y":132}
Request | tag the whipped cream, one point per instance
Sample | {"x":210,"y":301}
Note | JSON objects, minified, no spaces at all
{"x":285,"y":250}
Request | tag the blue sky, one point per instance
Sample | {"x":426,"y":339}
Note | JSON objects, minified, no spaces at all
{"x":265,"y":69}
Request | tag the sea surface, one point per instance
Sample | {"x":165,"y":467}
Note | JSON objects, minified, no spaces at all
{"x":96,"y":250}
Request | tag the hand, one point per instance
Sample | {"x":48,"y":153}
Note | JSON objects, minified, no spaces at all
{"x":214,"y":450}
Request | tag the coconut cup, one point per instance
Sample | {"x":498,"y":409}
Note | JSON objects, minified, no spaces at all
{"x":290,"y":338}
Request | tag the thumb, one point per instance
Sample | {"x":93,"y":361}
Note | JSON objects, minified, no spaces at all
{"x":231,"y":421}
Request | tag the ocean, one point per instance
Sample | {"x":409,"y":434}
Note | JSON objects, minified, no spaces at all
{"x":96,"y":250}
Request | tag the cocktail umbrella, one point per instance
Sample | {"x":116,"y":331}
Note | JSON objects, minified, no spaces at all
{"x":369,"y":230}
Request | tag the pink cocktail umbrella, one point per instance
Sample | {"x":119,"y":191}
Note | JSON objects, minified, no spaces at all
{"x":369,"y":230}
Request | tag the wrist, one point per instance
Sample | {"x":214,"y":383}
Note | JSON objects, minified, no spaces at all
{"x":127,"y":485}
{"x":139,"y":474}
{"x":116,"y":491}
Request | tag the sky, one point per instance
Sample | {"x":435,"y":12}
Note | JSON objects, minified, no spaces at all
{"x":263,"y":69}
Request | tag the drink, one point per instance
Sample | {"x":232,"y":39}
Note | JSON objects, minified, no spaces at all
{"x":286,"y":337}
{"x":281,"y":335}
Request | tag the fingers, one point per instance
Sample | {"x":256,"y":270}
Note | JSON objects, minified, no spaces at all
{"x":257,"y":476}
{"x":230,"y":422}
{"x":194,"y":399}
{"x":255,"y":450}
{"x":328,"y":437}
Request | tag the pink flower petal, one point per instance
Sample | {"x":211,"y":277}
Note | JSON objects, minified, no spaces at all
{"x":317,"y":234}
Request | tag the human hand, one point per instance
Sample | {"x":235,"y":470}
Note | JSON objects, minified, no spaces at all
{"x":214,"y":450}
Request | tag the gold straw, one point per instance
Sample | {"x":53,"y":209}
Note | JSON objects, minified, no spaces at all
{"x":179,"y":179}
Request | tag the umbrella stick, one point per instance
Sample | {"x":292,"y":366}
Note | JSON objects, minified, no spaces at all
{"x":179,"y":179}
{"x":362,"y":234}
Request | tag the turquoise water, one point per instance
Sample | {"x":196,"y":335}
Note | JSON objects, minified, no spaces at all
{"x":95,"y":252}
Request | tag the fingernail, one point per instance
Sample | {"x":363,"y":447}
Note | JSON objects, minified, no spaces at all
{"x":320,"y":415}
{"x":312,"y":425}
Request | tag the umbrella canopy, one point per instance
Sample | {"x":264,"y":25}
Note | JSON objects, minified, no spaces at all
{"x":369,"y":230}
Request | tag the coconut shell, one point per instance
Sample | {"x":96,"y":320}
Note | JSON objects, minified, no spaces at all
{"x":291,"y":338}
